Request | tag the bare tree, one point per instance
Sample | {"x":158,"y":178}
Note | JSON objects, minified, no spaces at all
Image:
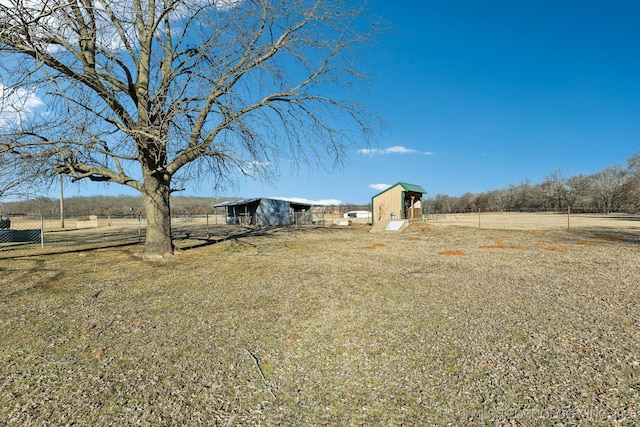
{"x":576,"y":189}
{"x":7,"y":183}
{"x":607,"y":186}
{"x":150,"y":93}
{"x":631,"y":187}
{"x":558,"y":188}
{"x":19,"y":177}
{"x":633,"y":164}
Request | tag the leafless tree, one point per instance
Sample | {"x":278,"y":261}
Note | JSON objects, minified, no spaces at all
{"x":577,"y":188}
{"x":151,"y":93}
{"x":19,"y":177}
{"x":631,"y":186}
{"x":607,"y":186}
{"x":557,"y":185}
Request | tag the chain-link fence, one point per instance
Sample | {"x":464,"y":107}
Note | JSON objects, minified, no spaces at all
{"x":275,"y":218}
{"x":19,"y":230}
{"x":22,"y":231}
{"x":32,"y":231}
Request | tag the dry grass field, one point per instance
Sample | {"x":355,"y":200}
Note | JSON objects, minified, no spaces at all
{"x":444,"y":323}
{"x":542,"y":221}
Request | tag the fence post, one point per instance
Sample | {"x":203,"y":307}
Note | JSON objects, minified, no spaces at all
{"x":41,"y":231}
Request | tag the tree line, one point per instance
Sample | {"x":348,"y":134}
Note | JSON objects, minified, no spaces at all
{"x":106,"y":206}
{"x":122,"y":205}
{"x":613,"y":189}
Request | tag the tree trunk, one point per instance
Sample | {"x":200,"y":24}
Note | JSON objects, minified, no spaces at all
{"x":156,"y":194}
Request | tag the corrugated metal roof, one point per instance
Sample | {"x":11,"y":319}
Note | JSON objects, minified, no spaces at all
{"x":236,"y":202}
{"x":411,"y":187}
{"x":248,"y":201}
{"x":406,"y":187}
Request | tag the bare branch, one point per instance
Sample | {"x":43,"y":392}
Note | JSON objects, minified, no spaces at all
{"x":145,"y":92}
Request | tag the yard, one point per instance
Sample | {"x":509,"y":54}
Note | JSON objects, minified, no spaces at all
{"x":442,"y":323}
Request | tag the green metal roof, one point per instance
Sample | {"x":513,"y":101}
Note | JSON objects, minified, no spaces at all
{"x":411,"y":187}
{"x":406,"y":187}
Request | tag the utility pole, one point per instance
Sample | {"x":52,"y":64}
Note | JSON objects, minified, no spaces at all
{"x":61,"y":205}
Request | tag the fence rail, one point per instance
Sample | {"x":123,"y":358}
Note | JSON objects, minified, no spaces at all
{"x":32,"y":231}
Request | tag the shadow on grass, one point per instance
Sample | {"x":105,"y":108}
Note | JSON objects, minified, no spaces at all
{"x":609,"y":234}
{"x":184,"y":237}
{"x":38,"y":251}
{"x":31,"y":275}
{"x":626,"y":217}
{"x":234,"y":234}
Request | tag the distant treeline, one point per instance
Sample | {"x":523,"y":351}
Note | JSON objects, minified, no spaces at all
{"x":105,"y":206}
{"x":614,"y":189}
{"x":118,"y":206}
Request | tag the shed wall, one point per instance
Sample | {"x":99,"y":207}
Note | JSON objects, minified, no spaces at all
{"x":273,"y":212}
{"x":388,"y":202}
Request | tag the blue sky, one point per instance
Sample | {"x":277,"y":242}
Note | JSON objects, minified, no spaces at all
{"x":479,"y":94}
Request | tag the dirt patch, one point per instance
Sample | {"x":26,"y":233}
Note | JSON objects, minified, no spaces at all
{"x":376,"y":245}
{"x":586,"y":243}
{"x":609,"y":239}
{"x":501,"y":243}
{"x":454,"y":253}
{"x":420,"y":227}
{"x":555,"y":249}
{"x":500,"y":240}
{"x":517,"y":247}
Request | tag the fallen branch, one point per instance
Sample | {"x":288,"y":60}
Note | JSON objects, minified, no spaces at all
{"x":264,"y":379}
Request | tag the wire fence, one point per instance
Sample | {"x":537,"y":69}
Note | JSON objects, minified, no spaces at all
{"x":93,"y":231}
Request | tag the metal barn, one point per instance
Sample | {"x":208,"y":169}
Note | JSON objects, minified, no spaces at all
{"x":263,"y":211}
{"x":400,"y":201}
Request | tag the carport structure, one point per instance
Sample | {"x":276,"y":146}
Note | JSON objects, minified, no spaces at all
{"x":264,"y":211}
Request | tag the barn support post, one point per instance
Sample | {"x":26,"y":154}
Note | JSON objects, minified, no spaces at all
{"x":412,"y":206}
